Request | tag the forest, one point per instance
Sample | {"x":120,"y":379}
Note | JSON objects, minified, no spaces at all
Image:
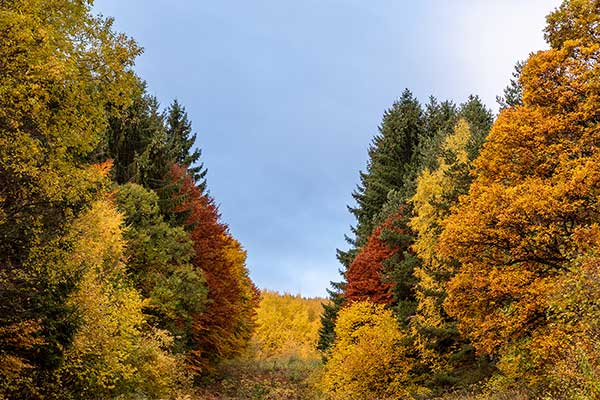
{"x":471,"y":273}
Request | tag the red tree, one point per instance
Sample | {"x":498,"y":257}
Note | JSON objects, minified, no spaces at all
{"x":365,"y":275}
{"x":225,"y":327}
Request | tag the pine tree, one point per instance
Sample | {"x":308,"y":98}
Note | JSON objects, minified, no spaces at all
{"x":392,"y":154}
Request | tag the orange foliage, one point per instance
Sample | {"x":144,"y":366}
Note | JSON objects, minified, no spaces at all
{"x":224,"y":329}
{"x":537,"y":189}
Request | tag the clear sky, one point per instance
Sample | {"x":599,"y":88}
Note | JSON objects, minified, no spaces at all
{"x":285,"y":96}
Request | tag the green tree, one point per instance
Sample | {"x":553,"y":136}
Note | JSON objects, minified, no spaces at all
{"x":513,"y":93}
{"x":181,"y":141}
{"x":159,"y":263}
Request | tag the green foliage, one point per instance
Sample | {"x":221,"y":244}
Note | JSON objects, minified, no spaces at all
{"x":159,"y":262}
{"x":180,"y":142}
{"x":513,"y":93}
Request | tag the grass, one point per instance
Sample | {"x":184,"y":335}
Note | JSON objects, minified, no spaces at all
{"x":276,"y":379}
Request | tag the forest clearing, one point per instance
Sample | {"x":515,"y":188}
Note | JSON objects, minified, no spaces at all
{"x":471,"y":266}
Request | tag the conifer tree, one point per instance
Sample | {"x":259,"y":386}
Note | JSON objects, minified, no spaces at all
{"x":180,"y":142}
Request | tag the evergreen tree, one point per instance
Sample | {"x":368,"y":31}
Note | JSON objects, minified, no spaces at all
{"x":180,"y":142}
{"x":134,"y":139}
{"x":391,"y":157}
{"x":513,"y":93}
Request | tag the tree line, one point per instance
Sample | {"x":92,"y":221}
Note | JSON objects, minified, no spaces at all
{"x":473,"y":260}
{"x":118,"y":277}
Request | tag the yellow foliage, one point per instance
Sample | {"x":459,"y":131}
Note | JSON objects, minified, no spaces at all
{"x":436,"y":191}
{"x":114,"y":351}
{"x":287,"y":327}
{"x":369,"y":359}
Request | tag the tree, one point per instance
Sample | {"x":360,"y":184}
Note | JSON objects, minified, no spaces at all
{"x":180,"y":141}
{"x":440,"y":346}
{"x":61,"y":70}
{"x":114,"y":351}
{"x":365,"y":277}
{"x":368,"y":359}
{"x":224,"y":329}
{"x":391,"y":155}
{"x":159,"y":263}
{"x":513,"y":93}
{"x":286,"y":327}
{"x":536,"y":189}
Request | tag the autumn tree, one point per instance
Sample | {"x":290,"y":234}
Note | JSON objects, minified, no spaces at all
{"x":536,"y":190}
{"x":437,"y":339}
{"x":224,"y":329}
{"x":62,"y":68}
{"x":286,"y":327}
{"x":368,"y":359}
{"x":115,"y":352}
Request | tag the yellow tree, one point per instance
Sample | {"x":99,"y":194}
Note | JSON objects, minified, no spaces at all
{"x":436,"y":335}
{"x":369,"y":358}
{"x":115,"y":351}
{"x":537,"y":187}
{"x":286,"y":327}
{"x":61,"y":69}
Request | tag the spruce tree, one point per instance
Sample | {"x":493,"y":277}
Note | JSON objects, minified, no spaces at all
{"x":181,"y":140}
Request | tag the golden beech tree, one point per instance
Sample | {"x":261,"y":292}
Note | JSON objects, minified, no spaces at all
{"x":537,"y":187}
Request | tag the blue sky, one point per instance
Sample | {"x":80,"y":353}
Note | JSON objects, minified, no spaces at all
{"x":286,"y":95}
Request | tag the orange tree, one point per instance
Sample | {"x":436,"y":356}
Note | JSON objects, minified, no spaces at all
{"x":537,"y":190}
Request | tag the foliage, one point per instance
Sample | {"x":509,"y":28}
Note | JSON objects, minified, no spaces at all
{"x":114,"y":352}
{"x":286,"y":327}
{"x":159,"y":263}
{"x":369,"y":357}
{"x":180,"y":142}
{"x":437,"y":339}
{"x":513,"y":93}
{"x":515,"y":234}
{"x":61,"y":69}
{"x":224,"y":329}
